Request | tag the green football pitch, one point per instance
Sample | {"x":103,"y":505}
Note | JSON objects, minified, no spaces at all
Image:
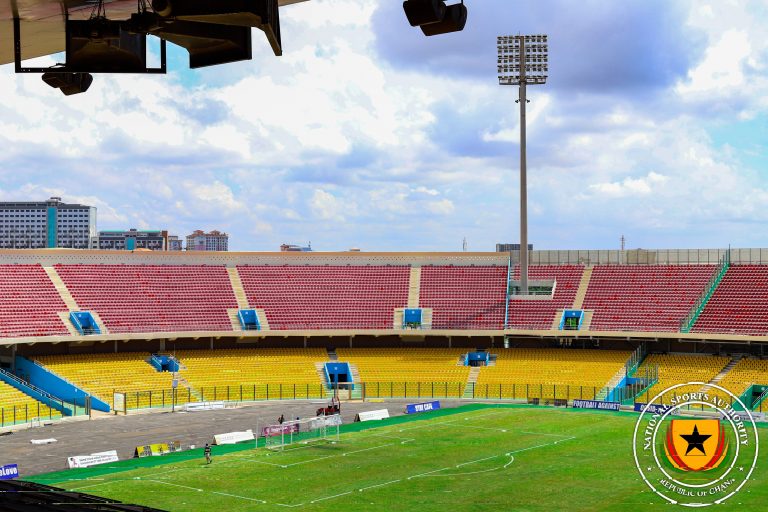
{"x":470,"y":458}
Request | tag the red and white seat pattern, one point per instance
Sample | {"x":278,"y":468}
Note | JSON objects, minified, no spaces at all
{"x":153,"y":298}
{"x":644,"y":297}
{"x":739,"y":304}
{"x":29,"y":303}
{"x":327,"y":297}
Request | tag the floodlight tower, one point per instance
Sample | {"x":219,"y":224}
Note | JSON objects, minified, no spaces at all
{"x":523,"y":60}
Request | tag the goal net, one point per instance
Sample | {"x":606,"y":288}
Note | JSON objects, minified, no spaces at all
{"x":302,"y":431}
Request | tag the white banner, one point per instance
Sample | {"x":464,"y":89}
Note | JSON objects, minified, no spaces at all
{"x":203,"y":406}
{"x":233,"y":437}
{"x":118,"y":402}
{"x":84,"y":461}
{"x":325,"y":421}
{"x":379,"y":414}
{"x":43,"y":441}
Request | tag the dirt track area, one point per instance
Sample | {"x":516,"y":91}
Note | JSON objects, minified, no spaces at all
{"x":125,"y":433}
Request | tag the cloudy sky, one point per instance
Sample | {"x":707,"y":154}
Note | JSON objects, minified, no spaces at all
{"x":654,"y":125}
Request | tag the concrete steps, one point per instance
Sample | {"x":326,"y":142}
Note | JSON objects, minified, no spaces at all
{"x":582,"y":290}
{"x":469,"y":390}
{"x":71,"y":303}
{"x":723,"y":372}
{"x":237,"y":287}
{"x":556,"y":320}
{"x":414,"y":287}
{"x":332,"y":356}
{"x":320,"y":367}
{"x":233,"y":319}
{"x":587,"y":320}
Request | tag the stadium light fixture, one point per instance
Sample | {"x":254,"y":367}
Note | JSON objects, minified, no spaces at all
{"x":434,"y":17}
{"x":523,"y":60}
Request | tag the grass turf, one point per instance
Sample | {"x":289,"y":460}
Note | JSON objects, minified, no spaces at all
{"x":471,"y":458}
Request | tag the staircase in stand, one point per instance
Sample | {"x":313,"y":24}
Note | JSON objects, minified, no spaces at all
{"x":581,"y":292}
{"x":320,"y":367}
{"x":332,"y":356}
{"x":237,"y":287}
{"x":469,"y":390}
{"x":735,"y":358}
{"x":414,"y":287}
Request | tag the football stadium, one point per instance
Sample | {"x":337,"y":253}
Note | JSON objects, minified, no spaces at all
{"x":420,"y":378}
{"x":140,"y":375}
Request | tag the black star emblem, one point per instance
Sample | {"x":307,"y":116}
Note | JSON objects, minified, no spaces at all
{"x":695,"y":440}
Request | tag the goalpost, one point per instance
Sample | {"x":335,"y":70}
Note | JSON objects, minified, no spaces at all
{"x":303,"y":431}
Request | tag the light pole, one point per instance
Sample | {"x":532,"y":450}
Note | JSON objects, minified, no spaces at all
{"x":523,"y":60}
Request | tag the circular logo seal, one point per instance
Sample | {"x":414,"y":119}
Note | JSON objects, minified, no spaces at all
{"x":695,"y":444}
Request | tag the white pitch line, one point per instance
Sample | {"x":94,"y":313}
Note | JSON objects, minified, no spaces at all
{"x":331,"y":497}
{"x":175,"y":485}
{"x":478,"y":460}
{"x":427,"y":473}
{"x":545,"y":434}
{"x":379,"y":485}
{"x":236,"y":496}
{"x":366,"y":449}
{"x":94,"y":485}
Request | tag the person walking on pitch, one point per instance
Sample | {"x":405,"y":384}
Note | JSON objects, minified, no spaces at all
{"x":207,"y":453}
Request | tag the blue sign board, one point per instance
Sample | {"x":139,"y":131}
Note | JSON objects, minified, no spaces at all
{"x":596,"y":404}
{"x":423,"y":407}
{"x":9,"y":472}
{"x":652,"y":409}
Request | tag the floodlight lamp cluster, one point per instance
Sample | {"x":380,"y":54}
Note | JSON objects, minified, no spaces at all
{"x":434,"y":17}
{"x":523,"y":59}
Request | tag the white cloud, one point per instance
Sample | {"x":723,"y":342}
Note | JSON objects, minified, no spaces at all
{"x":630,"y":186}
{"x":326,"y":206}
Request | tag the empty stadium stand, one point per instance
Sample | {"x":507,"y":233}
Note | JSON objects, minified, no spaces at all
{"x":524,"y":373}
{"x":644,"y":297}
{"x":464,"y":297}
{"x":680,"y":369}
{"x":527,"y":313}
{"x":25,"y":289}
{"x":247,"y":372}
{"x":408,"y":371}
{"x":103,"y":374}
{"x":153,"y":298}
{"x":739,"y":305}
{"x":745,"y":373}
{"x":16,"y":407}
{"x":327,"y":297}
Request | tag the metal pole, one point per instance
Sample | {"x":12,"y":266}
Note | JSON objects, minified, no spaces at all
{"x":523,"y":180}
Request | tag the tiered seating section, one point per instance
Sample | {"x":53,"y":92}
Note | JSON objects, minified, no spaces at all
{"x":540,"y":314}
{"x":679,"y":369}
{"x":103,"y":374}
{"x":744,"y":374}
{"x":153,"y":298}
{"x":289,"y":372}
{"x":18,"y":407}
{"x":327,"y":297}
{"x":739,"y":304}
{"x":29,"y":303}
{"x":403,"y":372}
{"x":644,"y":298}
{"x":464,"y":297}
{"x":165,"y":298}
{"x":524,"y":373}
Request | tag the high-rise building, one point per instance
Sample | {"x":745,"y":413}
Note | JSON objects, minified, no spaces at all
{"x":174,"y":243}
{"x":213,"y":241}
{"x":153,"y":240}
{"x":48,"y":224}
